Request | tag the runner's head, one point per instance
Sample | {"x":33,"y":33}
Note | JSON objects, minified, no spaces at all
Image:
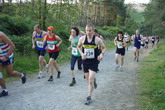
{"x":37,"y":28}
{"x":50,"y":29}
{"x":96,"y":33}
{"x":137,"y":32}
{"x":74,"y":31}
{"x":89,"y":29}
{"x":120,"y":34}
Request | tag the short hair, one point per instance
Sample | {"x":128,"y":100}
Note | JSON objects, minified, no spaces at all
{"x":95,"y":30}
{"x":77,"y":30}
{"x":90,"y":25}
{"x":137,"y":31}
{"x":37,"y":26}
{"x":120,"y":32}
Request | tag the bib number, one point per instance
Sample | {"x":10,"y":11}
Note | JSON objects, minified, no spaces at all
{"x":119,"y":45}
{"x":39,"y":44}
{"x":51,"y":46}
{"x":74,"y":51}
{"x":89,"y":53}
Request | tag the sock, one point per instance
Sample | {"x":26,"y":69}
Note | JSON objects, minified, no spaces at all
{"x":51,"y":76}
{"x":73,"y":78}
{"x":59,"y":72}
{"x":22,"y":75}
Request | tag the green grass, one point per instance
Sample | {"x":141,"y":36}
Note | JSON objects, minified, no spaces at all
{"x":109,"y":44}
{"x":152,"y":80}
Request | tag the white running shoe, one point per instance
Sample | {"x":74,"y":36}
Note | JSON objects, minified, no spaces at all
{"x":40,"y":75}
{"x":117,"y":67}
{"x":121,"y":68}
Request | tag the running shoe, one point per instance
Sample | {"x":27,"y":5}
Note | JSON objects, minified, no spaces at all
{"x":39,"y":75}
{"x":73,"y":83}
{"x":50,"y":78}
{"x":88,"y":101}
{"x":3,"y":93}
{"x":121,"y":68}
{"x":58,"y":75}
{"x":117,"y":67}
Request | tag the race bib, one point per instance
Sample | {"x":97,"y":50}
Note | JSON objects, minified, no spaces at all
{"x":51,"y":46}
{"x":39,"y":44}
{"x":119,"y":45}
{"x":1,"y":50}
{"x":90,"y":53}
{"x":74,"y":51}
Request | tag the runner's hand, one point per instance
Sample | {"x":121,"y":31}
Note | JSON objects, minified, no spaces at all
{"x":100,"y":57}
{"x":33,"y":47}
{"x":83,"y":57}
{"x":58,"y":45}
{"x":3,"y":59}
{"x":69,"y":48}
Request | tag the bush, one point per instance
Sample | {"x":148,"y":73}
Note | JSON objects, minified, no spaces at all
{"x":15,"y":25}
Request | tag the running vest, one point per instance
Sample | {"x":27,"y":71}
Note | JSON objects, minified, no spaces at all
{"x":136,"y":39}
{"x":120,"y":43}
{"x":39,"y":42}
{"x":75,"y":51}
{"x":4,"y":48}
{"x":51,"y":43}
{"x":90,"y":49}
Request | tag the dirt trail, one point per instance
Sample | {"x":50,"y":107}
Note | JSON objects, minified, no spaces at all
{"x":116,"y":90}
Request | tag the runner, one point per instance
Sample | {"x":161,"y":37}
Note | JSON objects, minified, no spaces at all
{"x":127,"y":39}
{"x":96,"y":33}
{"x":157,"y":40}
{"x":136,"y":39}
{"x":142,"y":44}
{"x":153,"y":41}
{"x":120,"y":42}
{"x":146,"y":42}
{"x":88,"y":47}
{"x":37,"y":42}
{"x":76,"y":56}
{"x":6,"y":61}
{"x":53,"y":42}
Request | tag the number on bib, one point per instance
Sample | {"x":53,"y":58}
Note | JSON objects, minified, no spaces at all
{"x":89,"y":53}
{"x":51,"y":46}
{"x":74,"y":51}
{"x":39,"y":44}
{"x":119,"y":45}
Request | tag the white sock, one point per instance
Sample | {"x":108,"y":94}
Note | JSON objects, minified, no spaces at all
{"x":22,"y":75}
{"x":5,"y":90}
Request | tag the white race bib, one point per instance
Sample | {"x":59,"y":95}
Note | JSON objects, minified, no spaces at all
{"x":90,"y":53}
{"x":120,"y":45}
{"x":39,"y":44}
{"x":74,"y":51}
{"x":51,"y":46}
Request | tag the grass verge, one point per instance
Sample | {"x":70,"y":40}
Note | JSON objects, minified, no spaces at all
{"x":152,"y":80}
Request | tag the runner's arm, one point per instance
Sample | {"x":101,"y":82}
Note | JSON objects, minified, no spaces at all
{"x":33,"y":40}
{"x":59,"y":39}
{"x":9,"y":42}
{"x":115,"y":41}
{"x":103,"y":47}
{"x":79,"y":46}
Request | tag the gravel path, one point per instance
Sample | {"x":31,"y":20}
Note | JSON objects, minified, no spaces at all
{"x":115,"y":91}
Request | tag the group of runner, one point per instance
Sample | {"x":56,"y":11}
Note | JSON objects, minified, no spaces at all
{"x":86,"y":48}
